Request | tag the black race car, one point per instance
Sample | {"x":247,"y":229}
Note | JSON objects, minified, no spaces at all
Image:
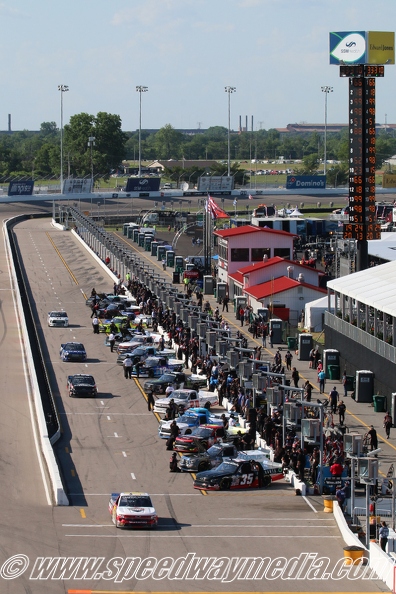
{"x":158,"y":386}
{"x":81,"y":385}
{"x":239,"y":474}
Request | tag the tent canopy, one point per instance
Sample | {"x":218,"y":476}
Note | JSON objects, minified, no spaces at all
{"x":314,"y":313}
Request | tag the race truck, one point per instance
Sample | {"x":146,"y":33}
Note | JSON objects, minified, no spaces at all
{"x":185,"y":399}
{"x":193,"y":417}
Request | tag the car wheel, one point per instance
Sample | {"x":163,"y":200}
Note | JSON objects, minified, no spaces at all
{"x":207,"y":406}
{"x":202,"y":466}
{"x":225,"y":484}
{"x":150,"y":373}
{"x":187,"y":432}
{"x":266,"y":482}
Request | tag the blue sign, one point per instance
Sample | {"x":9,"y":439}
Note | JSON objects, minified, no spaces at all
{"x":21,"y":188}
{"x":303,"y":182}
{"x":348,"y":47}
{"x":143,"y":184}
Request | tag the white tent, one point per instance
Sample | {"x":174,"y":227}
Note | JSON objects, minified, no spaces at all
{"x":314,"y":313}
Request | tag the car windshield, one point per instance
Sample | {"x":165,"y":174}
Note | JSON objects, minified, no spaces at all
{"x":135,"y":501}
{"x":188,"y":419}
{"x":215,"y":450}
{"x":73,"y":346}
{"x":227,"y":467}
{"x":201,"y":432}
{"x":179,"y":395}
{"x":167,"y":378}
{"x":83,"y":379}
{"x":58,"y":314}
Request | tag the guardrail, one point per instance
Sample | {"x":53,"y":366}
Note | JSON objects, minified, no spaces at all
{"x":47,"y":430}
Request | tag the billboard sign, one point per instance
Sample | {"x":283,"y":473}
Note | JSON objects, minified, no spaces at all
{"x":22,"y":188}
{"x":143,"y":184}
{"x":389,"y":180}
{"x":298,"y":182}
{"x":77,"y":186}
{"x":362,"y":47}
{"x":215,"y":183}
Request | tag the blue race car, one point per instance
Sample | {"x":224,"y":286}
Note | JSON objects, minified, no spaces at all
{"x":73,"y":351}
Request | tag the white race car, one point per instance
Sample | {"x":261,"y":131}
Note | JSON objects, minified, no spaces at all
{"x":58,"y":318}
{"x":132,"y":509}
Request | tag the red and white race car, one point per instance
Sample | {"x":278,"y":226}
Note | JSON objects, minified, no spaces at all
{"x":132,"y":509}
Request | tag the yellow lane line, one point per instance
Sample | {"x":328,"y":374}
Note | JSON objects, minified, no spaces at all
{"x":82,"y":513}
{"x":62,"y":258}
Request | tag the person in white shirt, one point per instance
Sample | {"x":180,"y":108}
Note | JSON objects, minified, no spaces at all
{"x":169,"y":390}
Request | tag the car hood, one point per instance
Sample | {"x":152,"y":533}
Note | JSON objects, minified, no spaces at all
{"x":208,"y":474}
{"x":133,"y":511}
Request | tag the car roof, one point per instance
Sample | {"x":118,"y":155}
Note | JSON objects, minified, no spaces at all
{"x":135,"y":494}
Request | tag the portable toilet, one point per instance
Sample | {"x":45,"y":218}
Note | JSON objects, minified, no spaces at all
{"x":154,"y":248}
{"x":161,"y":253}
{"x":239,"y":302}
{"x":135,"y":235}
{"x":331,"y":364}
{"x":364,"y":389}
{"x":277,"y":330}
{"x":170,"y":258}
{"x":305,"y":345}
{"x":179,"y":263}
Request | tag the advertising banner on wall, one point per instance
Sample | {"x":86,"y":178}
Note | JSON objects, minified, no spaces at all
{"x":298,"y":182}
{"x":77,"y":186}
{"x":143,"y":184}
{"x":389,"y":180}
{"x":21,"y":188}
{"x":215,"y":183}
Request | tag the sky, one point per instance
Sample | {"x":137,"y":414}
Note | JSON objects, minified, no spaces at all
{"x":274,"y":52}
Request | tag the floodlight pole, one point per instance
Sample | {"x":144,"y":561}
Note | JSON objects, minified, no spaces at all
{"x":229,"y":90}
{"x":326,"y":90}
{"x":140,"y":89}
{"x":62,"y":89}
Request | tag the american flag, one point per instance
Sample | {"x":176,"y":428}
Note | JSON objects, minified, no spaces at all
{"x":215,"y":211}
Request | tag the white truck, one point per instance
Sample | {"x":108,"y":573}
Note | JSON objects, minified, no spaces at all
{"x":185,"y":399}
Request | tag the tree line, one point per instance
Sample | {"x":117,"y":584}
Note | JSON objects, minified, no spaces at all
{"x":37,"y":155}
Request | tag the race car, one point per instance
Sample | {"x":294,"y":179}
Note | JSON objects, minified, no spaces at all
{"x":207,"y":459}
{"x":132,"y":509}
{"x":200,"y":439}
{"x":81,"y":385}
{"x":193,"y":417}
{"x":58,"y":318}
{"x":73,"y":351}
{"x":185,"y":399}
{"x":118,"y":321}
{"x":241,"y":473}
{"x":158,"y":386}
{"x":157,"y":366}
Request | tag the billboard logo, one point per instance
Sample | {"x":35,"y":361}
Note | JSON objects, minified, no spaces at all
{"x":348,"y":47}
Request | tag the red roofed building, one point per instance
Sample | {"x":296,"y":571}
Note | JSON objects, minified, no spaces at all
{"x":243,"y":246}
{"x":256,"y":262}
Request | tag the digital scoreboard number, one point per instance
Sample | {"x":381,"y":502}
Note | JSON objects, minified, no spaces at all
{"x":361,"y":223}
{"x":362,"y":71}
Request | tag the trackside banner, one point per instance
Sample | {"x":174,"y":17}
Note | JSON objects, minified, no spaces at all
{"x":22,"y":188}
{"x":143,"y":184}
{"x":296,"y":182}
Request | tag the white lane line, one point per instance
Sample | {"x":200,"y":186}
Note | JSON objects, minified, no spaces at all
{"x":133,"y":476}
{"x":310,"y":504}
{"x":101,"y":406}
{"x":210,"y":525}
{"x":102,"y":402}
{"x":280,"y":519}
{"x":124,"y":454}
{"x":115,"y":435}
{"x":151,"y":494}
{"x":113,"y":413}
{"x":108,"y":418}
{"x":194,"y":536}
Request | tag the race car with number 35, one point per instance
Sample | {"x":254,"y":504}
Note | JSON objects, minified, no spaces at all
{"x":239,"y":474}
